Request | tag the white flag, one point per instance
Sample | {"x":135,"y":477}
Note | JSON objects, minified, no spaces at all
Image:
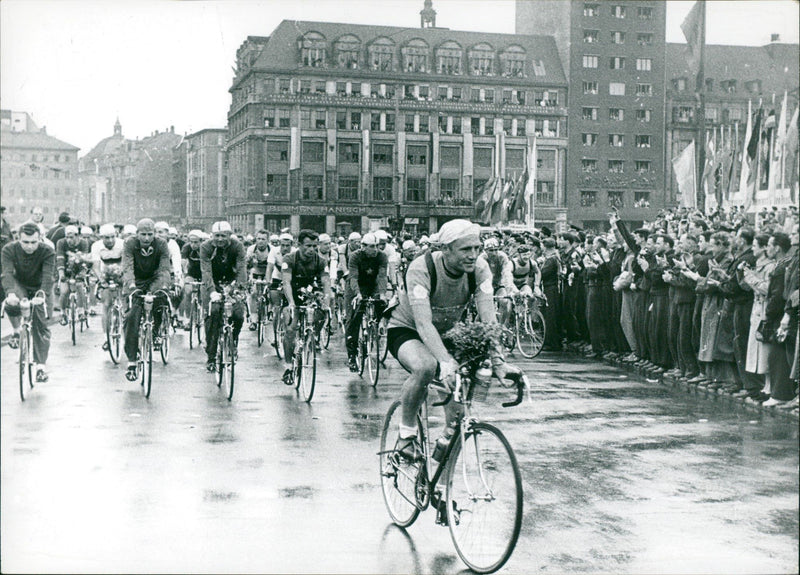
{"x":684,"y":168}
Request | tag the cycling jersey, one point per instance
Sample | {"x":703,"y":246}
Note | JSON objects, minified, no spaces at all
{"x":69,"y":256}
{"x":305,"y":272}
{"x":368,"y":274}
{"x":192,"y":257}
{"x":257,"y":260}
{"x":222,"y":264}
{"x":147,"y":267}
{"x":103,"y":258}
{"x":522,"y":273}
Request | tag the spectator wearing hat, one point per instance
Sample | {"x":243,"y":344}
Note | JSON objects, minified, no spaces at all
{"x":57,"y":232}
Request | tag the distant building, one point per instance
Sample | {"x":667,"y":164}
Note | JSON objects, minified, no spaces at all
{"x":339,"y":126}
{"x":205,"y":177}
{"x":613,"y":53}
{"x":36,"y":170}
{"x":131,"y":179}
{"x":734,"y":77}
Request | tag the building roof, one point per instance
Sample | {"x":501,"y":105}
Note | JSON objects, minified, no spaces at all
{"x":106,"y":147}
{"x":280,"y":52}
{"x":743,"y":64}
{"x":33,"y":141}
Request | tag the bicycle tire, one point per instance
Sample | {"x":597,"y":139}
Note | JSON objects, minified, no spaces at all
{"x":384,"y":347}
{"x":114,"y":334}
{"x":278,"y":331}
{"x":325,"y":332}
{"x":398,"y":476}
{"x":260,"y":322}
{"x":165,"y":327}
{"x":484,"y":498}
{"x":308,"y":372}
{"x":199,"y":322}
{"x":146,"y":351}
{"x":72,"y":319}
{"x":221,"y":358}
{"x":192,"y":323}
{"x":230,"y":364}
{"x":25,"y":361}
{"x":373,"y":355}
{"x":526,"y":344}
{"x":538,"y":329}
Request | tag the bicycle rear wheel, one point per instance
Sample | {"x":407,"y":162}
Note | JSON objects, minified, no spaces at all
{"x":538,"y":330}
{"x":373,"y":355}
{"x":308,"y":371}
{"x":526,"y":344}
{"x":165,"y":327}
{"x":25,"y":361}
{"x":73,"y":318}
{"x":279,"y":330}
{"x":146,"y":351}
{"x":484,"y":498}
{"x":261,"y":322}
{"x":114,"y":333}
{"x":399,"y":477}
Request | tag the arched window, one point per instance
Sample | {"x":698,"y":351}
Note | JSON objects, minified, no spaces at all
{"x":512,"y":62}
{"x":348,"y":49}
{"x":448,"y":58}
{"x":415,"y":56}
{"x":381,"y":54}
{"x":313,"y":48}
{"x":481,"y":60}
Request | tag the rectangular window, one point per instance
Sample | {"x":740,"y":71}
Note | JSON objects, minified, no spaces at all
{"x":382,"y":189}
{"x":521,"y":97}
{"x":448,"y":189}
{"x":641,"y":199}
{"x":617,"y":37}
{"x":589,"y":87}
{"x":644,"y":39}
{"x":644,"y":64}
{"x":390,"y":122}
{"x":482,"y":157}
{"x":417,"y":155}
{"x":642,"y":141}
{"x":711,"y":113}
{"x":319,"y":86}
{"x":424,"y":92}
{"x":616,"y":114}
{"x":588,"y":199}
{"x":424,"y":123}
{"x":312,"y":188}
{"x":475,"y":95}
{"x":284,"y":85}
{"x":616,"y":140}
{"x":456,"y":93}
{"x":589,"y":139}
{"x":735,"y":114}
{"x":355,"y":89}
{"x":313,"y":152}
{"x":349,"y":153}
{"x":319,"y":121}
{"x":348,"y":188}
{"x":642,"y":166}
{"x":475,"y":126}
{"x":520,"y":126}
{"x":355,"y":120}
{"x":456,"y":123}
{"x":284,"y":117}
{"x":277,"y":151}
{"x":683,"y":114}
{"x":415,"y":190}
{"x":488,"y":95}
{"x":409,"y":122}
{"x":616,"y":166}
{"x":546,"y":160}
{"x":643,"y":115}
{"x":545,"y":192}
{"x":590,"y":10}
{"x":341,"y":120}
{"x":269,"y":118}
{"x":442,"y":124}
{"x":590,"y":61}
{"x":589,"y":166}
{"x":618,"y":11}
{"x":375,"y":121}
{"x":442,"y":92}
{"x":277,"y":186}
{"x":644,"y":89}
{"x":616,"y":88}
{"x":644,"y":12}
{"x":489,"y":126}
{"x":450,"y":156}
{"x":616,"y":200}
{"x":515,"y":158}
{"x":507,"y":125}
{"x":341,"y":88}
{"x":589,"y":113}
{"x":617,"y":63}
{"x":382,"y":154}
{"x":506,"y":96}
{"x":591,"y":36}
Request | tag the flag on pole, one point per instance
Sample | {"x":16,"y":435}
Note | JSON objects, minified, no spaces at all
{"x":483,"y":197}
{"x":692,"y":28}
{"x":776,"y":170}
{"x":791,"y":158}
{"x":684,"y":167}
{"x":747,"y":160}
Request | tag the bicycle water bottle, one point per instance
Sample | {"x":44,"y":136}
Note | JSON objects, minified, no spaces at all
{"x":443,"y":441}
{"x":481,"y":381}
{"x":228,"y":308}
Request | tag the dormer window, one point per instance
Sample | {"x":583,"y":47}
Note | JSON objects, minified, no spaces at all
{"x":381,"y":54}
{"x":313,"y":48}
{"x":481,"y":60}
{"x":728,"y":86}
{"x":448,"y":58}
{"x":347,"y":51}
{"x":753,"y":86}
{"x":512,"y":62}
{"x":679,"y":84}
{"x":415,"y":56}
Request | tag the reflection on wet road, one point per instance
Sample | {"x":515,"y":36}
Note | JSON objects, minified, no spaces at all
{"x":619,"y":475}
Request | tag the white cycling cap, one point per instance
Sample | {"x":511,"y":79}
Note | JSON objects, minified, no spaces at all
{"x":129,"y":229}
{"x":491,"y":243}
{"x":369,"y":240}
{"x":162,"y":226}
{"x":86,"y":231}
{"x":107,"y":230}
{"x":274,"y":238}
{"x":381,"y":235}
{"x":195,"y":234}
{"x":324,"y":238}
{"x":435,"y":238}
{"x":409,"y":245}
{"x":221,"y":227}
{"x":71,"y":230}
{"x":424,"y":239}
{"x":173,"y":230}
{"x":354,"y":236}
{"x":285,"y":236}
{"x":457,"y":229}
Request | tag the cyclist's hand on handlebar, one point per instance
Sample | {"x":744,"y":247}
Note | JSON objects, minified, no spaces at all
{"x":12,"y":299}
{"x":215,"y":296}
{"x":37,"y":300}
{"x":356,"y":300}
{"x":502,"y":370}
{"x":447,"y":369}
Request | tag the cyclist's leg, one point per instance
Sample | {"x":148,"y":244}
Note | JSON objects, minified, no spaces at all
{"x":14,"y":314}
{"x":213,"y":328}
{"x":64,"y":297}
{"x":421,"y":366}
{"x":41,"y":334}
{"x":252,"y":298}
{"x":82,"y":303}
{"x":131,"y":326}
{"x":276,"y":299}
{"x":106,"y":299}
{"x":351,"y":331}
{"x":186,"y":301}
{"x":289,"y":336}
{"x":238,"y":320}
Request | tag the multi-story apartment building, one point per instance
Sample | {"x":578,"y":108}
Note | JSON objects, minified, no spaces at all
{"x":36,"y":170}
{"x":735,"y":76}
{"x":338,"y":126}
{"x":615,"y":59}
{"x":132,"y":179}
{"x":205,"y":176}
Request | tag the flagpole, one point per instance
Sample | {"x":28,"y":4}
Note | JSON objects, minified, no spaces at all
{"x":701,"y":113}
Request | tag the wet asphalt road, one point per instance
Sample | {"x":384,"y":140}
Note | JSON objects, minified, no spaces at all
{"x":620,"y":475}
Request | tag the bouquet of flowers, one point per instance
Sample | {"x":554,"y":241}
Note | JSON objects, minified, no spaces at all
{"x":471,"y":341}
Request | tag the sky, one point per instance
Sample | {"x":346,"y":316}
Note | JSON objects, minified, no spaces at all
{"x":77,"y":65}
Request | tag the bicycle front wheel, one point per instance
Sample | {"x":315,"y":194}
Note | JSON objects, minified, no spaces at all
{"x":373,"y":357}
{"x":484,"y":498}
{"x":114,"y":333}
{"x":399,"y":477}
{"x":382,"y":346}
{"x":165,"y":327}
{"x":25,"y":362}
{"x":146,"y":366}
{"x":73,"y":319}
{"x":308,"y":371}
{"x":192,"y":326}
{"x":538,"y":330}
{"x":325,"y":332}
{"x":279,"y":330}
{"x":526,"y":344}
{"x":222,"y":357}
{"x":230,"y":364}
{"x":261,"y":322}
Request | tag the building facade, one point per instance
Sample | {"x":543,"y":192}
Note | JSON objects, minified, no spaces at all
{"x":205,"y":163}
{"x":615,"y":56}
{"x":131,"y":179}
{"x":736,"y":77}
{"x":337,"y":127}
{"x":36,"y":170}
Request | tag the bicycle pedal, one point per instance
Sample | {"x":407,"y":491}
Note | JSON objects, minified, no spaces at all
{"x":441,"y":513}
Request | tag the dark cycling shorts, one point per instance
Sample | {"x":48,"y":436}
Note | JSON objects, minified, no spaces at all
{"x":276,"y":284}
{"x":397,"y":336}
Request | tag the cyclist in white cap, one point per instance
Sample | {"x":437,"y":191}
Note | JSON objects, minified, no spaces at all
{"x":72,"y":257}
{"x":190,"y":259}
{"x":274,"y":264}
{"x":106,"y":256}
{"x":162,"y":231}
{"x":345,"y":252}
{"x":222,"y":263}
{"x":257,"y":256}
{"x":128,"y":230}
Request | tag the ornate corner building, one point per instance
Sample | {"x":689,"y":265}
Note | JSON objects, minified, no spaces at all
{"x":339,"y":126}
